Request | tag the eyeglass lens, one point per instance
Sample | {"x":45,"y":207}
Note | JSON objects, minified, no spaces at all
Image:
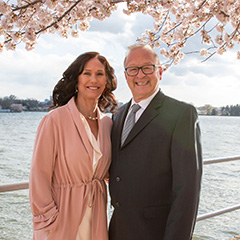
{"x":146,"y":69}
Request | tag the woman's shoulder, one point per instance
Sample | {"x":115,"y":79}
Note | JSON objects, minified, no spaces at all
{"x":106,"y":118}
{"x":55,"y":114}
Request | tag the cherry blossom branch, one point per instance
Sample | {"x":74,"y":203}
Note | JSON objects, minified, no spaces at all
{"x":175,"y":22}
{"x":27,"y":5}
{"x":60,"y":18}
{"x":225,"y":43}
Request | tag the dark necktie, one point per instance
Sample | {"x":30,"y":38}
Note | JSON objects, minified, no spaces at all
{"x":129,"y":122}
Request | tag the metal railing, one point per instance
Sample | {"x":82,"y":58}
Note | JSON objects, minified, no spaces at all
{"x":220,"y":160}
{"x":219,"y":212}
{"x":225,"y":210}
{"x":25,"y":185}
{"x":14,"y":187}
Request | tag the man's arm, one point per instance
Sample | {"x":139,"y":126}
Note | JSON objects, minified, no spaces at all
{"x":186,"y":159}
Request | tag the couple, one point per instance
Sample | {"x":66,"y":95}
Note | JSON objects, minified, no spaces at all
{"x":155,"y":167}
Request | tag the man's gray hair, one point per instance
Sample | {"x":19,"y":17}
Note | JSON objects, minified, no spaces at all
{"x":141,"y":45}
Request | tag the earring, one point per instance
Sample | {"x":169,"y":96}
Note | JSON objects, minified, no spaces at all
{"x":76,"y":90}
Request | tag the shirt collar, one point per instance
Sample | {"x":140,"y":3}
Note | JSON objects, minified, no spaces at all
{"x":145,"y":102}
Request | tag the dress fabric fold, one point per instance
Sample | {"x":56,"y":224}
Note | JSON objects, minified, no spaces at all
{"x":84,"y":230}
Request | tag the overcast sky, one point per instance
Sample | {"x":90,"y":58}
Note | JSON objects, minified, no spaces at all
{"x":33,"y":74}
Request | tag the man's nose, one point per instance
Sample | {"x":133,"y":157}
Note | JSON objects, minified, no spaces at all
{"x":140,"y":73}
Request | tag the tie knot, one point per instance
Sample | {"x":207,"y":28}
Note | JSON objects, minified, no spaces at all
{"x":135,"y":108}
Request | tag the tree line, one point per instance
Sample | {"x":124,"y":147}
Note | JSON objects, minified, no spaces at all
{"x":229,"y":110}
{"x":232,"y":110}
{"x":28,"y":104}
{"x":35,"y":105}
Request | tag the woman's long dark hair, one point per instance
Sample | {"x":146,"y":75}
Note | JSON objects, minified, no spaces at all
{"x":65,"y":89}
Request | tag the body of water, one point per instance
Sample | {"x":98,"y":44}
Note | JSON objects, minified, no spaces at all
{"x":220,"y":187}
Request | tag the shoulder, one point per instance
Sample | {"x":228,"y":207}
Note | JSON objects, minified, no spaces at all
{"x":177,"y":104}
{"x":121,"y":110}
{"x":105,"y":119}
{"x":55,"y":116}
{"x":105,"y":123}
{"x":55,"y":113}
{"x":174,"y":109}
{"x":63,"y":111}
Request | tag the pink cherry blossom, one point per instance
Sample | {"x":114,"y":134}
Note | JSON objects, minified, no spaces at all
{"x":215,"y":23}
{"x":238,"y":55}
{"x":203,"y":52}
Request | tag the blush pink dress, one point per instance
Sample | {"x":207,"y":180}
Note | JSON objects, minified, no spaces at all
{"x":67,"y":189}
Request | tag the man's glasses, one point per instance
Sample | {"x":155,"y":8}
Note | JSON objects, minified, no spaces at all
{"x":146,"y":69}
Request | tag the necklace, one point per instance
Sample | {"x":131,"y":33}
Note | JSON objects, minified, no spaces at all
{"x":86,"y":115}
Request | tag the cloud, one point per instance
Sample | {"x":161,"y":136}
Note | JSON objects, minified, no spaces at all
{"x":34,"y":74}
{"x":28,"y":74}
{"x":214,"y":82}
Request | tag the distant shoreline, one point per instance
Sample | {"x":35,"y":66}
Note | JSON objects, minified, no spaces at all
{"x":11,"y":111}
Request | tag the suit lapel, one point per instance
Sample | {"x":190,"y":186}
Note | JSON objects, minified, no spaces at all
{"x":118,"y":123}
{"x":147,"y":116}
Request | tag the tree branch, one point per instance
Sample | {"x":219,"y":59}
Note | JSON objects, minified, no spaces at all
{"x":60,"y":18}
{"x":27,"y":5}
{"x":118,"y":1}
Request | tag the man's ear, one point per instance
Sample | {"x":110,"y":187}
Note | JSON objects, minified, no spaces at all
{"x":160,"y":71}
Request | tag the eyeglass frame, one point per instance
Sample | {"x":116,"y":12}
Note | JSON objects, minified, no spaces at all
{"x":138,"y":68}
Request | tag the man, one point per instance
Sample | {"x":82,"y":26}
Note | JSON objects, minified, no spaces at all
{"x":156,"y":170}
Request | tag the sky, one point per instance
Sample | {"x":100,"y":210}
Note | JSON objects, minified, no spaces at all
{"x":33,"y":74}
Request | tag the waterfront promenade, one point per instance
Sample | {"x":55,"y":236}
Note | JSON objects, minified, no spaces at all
{"x":25,"y":185}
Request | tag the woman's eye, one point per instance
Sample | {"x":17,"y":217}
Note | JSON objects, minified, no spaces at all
{"x":86,"y":73}
{"x":100,"y":74}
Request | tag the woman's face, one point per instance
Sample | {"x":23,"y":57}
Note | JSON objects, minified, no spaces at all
{"x":92,"y":81}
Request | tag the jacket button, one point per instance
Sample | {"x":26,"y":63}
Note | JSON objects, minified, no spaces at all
{"x":118,"y":179}
{"x":117,"y":204}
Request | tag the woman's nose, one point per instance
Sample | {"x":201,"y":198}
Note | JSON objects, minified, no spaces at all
{"x":93,"y":78}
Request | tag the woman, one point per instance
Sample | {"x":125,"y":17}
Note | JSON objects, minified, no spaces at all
{"x":72,"y":154}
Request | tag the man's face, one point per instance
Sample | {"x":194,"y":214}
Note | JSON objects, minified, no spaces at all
{"x":142,"y":86}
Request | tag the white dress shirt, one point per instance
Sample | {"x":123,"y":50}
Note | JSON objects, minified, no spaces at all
{"x":143,"y":104}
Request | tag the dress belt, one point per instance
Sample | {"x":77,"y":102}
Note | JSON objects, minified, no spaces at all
{"x":95,"y":185}
{"x":91,"y":188}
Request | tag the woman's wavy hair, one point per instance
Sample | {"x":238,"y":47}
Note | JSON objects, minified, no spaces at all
{"x":65,"y":89}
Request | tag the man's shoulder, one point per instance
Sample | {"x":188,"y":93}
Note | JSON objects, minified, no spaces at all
{"x":120,"y":110}
{"x":177,"y":108}
{"x":177,"y":103}
{"x":124,"y":106}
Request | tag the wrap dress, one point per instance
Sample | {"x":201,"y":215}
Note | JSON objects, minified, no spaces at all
{"x":63,"y":184}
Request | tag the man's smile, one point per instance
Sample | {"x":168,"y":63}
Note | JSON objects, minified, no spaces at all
{"x":142,"y":83}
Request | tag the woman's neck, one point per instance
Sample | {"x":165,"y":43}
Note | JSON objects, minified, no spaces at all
{"x":87,"y":108}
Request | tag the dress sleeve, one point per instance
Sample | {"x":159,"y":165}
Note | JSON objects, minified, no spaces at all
{"x":186,"y":158}
{"x":43,"y":207}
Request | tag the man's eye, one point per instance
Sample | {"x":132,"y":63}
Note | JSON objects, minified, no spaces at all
{"x":147,"y":68}
{"x":132,"y":69}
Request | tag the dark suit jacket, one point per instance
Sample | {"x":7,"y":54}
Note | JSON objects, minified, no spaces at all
{"x":155,"y":176}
